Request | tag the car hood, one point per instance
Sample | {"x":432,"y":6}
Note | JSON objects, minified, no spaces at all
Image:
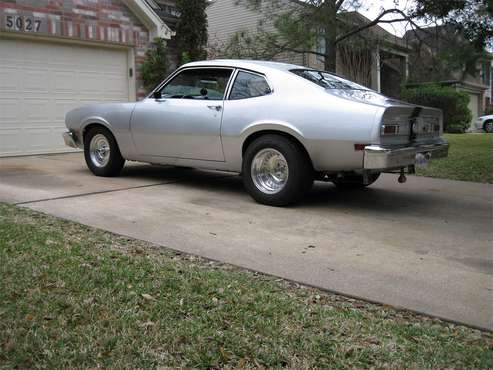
{"x":104,"y":112}
{"x":102,"y":108}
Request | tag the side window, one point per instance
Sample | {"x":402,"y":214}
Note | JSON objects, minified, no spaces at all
{"x":199,"y":83}
{"x":249,"y":85}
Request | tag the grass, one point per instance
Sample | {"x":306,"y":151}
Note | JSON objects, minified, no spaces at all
{"x":75,"y":297}
{"x":470,"y":159}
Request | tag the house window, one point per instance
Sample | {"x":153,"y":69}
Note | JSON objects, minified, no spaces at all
{"x":485,"y":73}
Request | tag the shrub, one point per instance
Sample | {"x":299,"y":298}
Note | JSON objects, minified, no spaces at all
{"x":456,"y":115}
{"x":156,"y":64}
{"x":191,"y":29}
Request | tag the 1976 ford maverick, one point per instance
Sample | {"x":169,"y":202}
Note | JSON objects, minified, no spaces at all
{"x":281,"y":126}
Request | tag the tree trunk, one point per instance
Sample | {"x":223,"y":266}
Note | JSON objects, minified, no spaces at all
{"x":330,"y":17}
{"x":331,"y":55}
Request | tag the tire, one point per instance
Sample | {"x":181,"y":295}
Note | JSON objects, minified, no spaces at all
{"x":107,"y":163}
{"x":284,"y":186}
{"x":354,"y":182}
{"x":488,"y":126}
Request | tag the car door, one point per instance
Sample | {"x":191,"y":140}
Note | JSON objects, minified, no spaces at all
{"x":185,"y":122}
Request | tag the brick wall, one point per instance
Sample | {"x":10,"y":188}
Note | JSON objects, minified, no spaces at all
{"x":108,"y":21}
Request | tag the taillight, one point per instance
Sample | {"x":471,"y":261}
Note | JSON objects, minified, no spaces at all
{"x":390,"y":129}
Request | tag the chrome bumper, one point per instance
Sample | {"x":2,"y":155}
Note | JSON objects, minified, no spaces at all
{"x":70,"y":139}
{"x":377,"y":157}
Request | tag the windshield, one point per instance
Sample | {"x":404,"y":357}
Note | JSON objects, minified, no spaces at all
{"x":327,"y":80}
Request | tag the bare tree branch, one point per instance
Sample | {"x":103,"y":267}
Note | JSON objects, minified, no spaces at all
{"x":376,"y":21}
{"x":286,"y":47}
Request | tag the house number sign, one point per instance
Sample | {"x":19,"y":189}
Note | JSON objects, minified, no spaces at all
{"x":22,"y":23}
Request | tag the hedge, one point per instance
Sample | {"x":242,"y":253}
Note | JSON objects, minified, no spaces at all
{"x":453,"y":103}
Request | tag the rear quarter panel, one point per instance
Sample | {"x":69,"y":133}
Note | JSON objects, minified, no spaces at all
{"x":328,"y":126}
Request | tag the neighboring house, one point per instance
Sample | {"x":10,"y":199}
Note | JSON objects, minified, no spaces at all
{"x":425,"y":67}
{"x":56,"y":55}
{"x":229,"y":17}
{"x":386,"y":69}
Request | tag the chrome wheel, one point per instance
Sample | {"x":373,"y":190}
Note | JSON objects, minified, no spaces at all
{"x":269,"y":171}
{"x":99,"y":150}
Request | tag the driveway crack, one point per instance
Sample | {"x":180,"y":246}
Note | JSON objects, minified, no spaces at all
{"x":80,"y":195}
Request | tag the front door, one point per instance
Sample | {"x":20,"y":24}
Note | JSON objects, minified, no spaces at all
{"x":186,"y":121}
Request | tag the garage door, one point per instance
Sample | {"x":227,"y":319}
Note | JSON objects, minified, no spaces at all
{"x":40,"y":82}
{"x":473,"y":107}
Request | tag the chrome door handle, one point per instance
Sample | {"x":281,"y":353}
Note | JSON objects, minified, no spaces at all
{"x":215,"y":107}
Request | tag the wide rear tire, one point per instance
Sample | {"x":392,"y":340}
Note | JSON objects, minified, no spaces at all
{"x":101,"y":152}
{"x":276,"y":171}
{"x":488,"y":126}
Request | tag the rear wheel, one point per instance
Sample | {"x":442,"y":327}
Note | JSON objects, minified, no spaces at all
{"x":488,"y":126}
{"x":276,"y":171}
{"x":355,"y":181}
{"x":101,"y":152}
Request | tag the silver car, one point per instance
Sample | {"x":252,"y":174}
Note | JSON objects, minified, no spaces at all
{"x":485,"y":123}
{"x":281,"y":126}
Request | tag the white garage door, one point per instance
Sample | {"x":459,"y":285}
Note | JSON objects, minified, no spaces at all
{"x":40,"y":82}
{"x":473,"y":107}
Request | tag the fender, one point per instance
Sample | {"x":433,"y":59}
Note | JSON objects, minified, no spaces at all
{"x":95,"y":120}
{"x":233,"y":145}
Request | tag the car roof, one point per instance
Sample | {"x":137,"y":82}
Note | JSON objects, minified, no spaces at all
{"x":255,"y":65}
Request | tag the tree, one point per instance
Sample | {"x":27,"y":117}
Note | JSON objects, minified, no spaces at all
{"x":304,"y":25}
{"x":191,"y":30}
{"x":472,"y":18}
{"x":453,"y":48}
{"x":156,"y":64}
{"x":443,"y":54}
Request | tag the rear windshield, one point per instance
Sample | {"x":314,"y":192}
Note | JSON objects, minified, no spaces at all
{"x":327,"y":80}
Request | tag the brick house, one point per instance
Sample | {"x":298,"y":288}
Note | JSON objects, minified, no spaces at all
{"x":59,"y":54}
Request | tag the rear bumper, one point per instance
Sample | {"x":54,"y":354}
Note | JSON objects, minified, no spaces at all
{"x":70,"y":139}
{"x":377,"y":157}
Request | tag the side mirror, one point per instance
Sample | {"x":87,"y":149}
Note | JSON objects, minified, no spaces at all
{"x":157,"y":95}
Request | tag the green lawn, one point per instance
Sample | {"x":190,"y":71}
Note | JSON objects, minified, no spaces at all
{"x":470,"y":159}
{"x":76,"y":297}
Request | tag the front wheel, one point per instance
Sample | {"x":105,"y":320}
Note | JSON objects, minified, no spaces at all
{"x":276,"y":171}
{"x":101,"y":153}
{"x":356,"y":181}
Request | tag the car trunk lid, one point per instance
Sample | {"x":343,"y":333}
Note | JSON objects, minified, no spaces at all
{"x":410,"y":124}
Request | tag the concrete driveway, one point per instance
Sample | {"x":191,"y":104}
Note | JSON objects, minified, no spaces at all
{"x":426,"y":245}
